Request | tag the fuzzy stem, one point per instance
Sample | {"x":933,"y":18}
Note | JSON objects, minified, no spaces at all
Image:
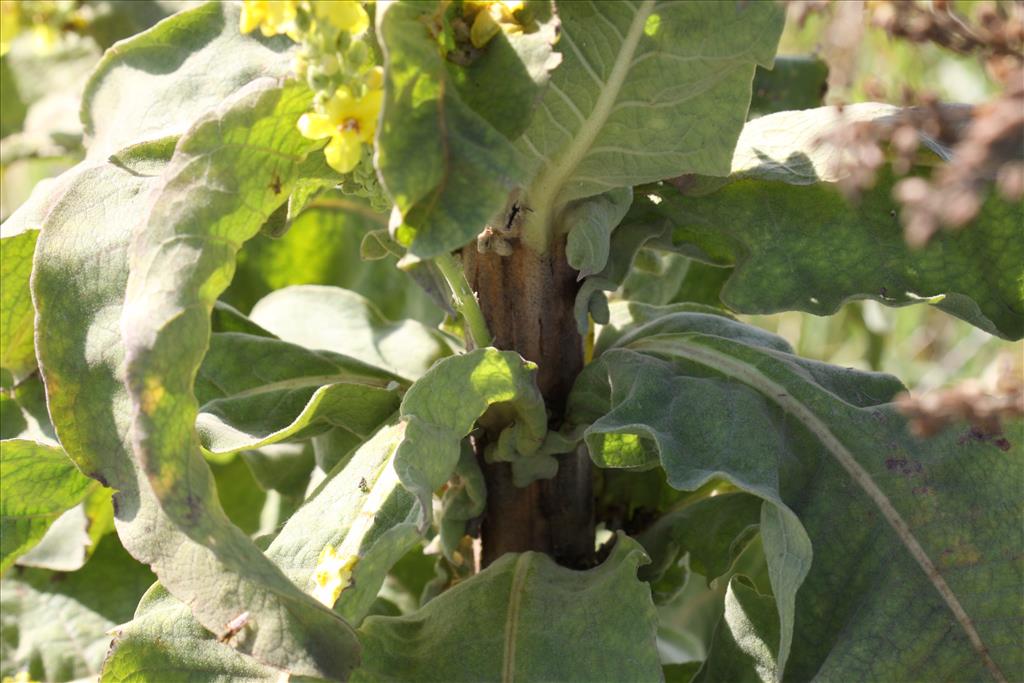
{"x":464,"y":300}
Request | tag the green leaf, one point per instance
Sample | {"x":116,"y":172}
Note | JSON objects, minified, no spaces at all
{"x":163,"y":642}
{"x":181,"y":260}
{"x":589,"y":224}
{"x":17,"y":349}
{"x":784,"y":208}
{"x":503,"y":81}
{"x":155,"y":84}
{"x":745,"y":644}
{"x":712,"y":530}
{"x":38,"y":483}
{"x":322,"y":247}
{"x":906,"y":561}
{"x":528,"y":620}
{"x":56,"y":626}
{"x":254,"y":391}
{"x":442,"y":407}
{"x":363,"y":514}
{"x":793,"y":82}
{"x":334,"y":319}
{"x":644,"y":92}
{"x":445,"y":167}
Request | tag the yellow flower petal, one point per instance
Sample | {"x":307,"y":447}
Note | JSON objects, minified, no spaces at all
{"x":316,"y":126}
{"x":347,"y":15}
{"x":365,"y":112}
{"x":344,"y":151}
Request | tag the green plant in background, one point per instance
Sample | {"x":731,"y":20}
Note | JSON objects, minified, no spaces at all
{"x":239,"y":443}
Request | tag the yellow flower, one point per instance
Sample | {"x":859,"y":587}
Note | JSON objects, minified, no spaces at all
{"x":332,"y":575}
{"x":491,"y":17}
{"x":346,"y":15}
{"x":349,"y":122}
{"x":271,"y":16}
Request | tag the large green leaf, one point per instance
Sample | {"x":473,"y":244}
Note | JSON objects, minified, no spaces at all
{"x":527,"y":619}
{"x":38,"y":483}
{"x":366,"y":518}
{"x":181,"y":259}
{"x":335,"y":319}
{"x":645,"y":91}
{"x":254,"y":391}
{"x":184,"y":66}
{"x":17,"y":350}
{"x":797,"y":244}
{"x":446,"y":168}
{"x":907,"y":559}
{"x":56,"y":626}
{"x":164,"y":643}
{"x":441,"y":409}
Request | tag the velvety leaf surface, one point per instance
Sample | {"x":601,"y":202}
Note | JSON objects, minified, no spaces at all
{"x":930,"y":566}
{"x":445,"y":167}
{"x":746,"y":638}
{"x":504,"y":80}
{"x":164,"y":643}
{"x":797,"y":244}
{"x":364,"y":515}
{"x":56,"y":626}
{"x":645,"y":91}
{"x":441,"y":408}
{"x":156,"y":83}
{"x":254,"y":391}
{"x":335,"y":319}
{"x":215,"y":193}
{"x":38,"y":484}
{"x":17,"y":350}
{"x":528,"y":619}
{"x":589,"y":224}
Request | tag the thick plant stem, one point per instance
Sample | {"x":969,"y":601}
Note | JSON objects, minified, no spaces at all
{"x":527,"y":300}
{"x":464,"y":300}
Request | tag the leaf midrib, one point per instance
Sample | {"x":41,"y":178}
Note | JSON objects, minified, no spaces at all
{"x":548,"y":184}
{"x":690,"y":346}
{"x":516,"y":592}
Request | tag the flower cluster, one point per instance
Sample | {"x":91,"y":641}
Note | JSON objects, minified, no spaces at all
{"x":339,"y":59}
{"x":46,"y":20}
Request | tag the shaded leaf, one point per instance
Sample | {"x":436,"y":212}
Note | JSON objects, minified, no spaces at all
{"x":793,"y":82}
{"x":644,"y":92}
{"x":529,"y":620}
{"x":334,"y":319}
{"x":745,"y":641}
{"x":56,"y":626}
{"x":503,"y":81}
{"x":254,"y":391}
{"x":38,"y":484}
{"x":784,"y":208}
{"x":800,"y":435}
{"x":589,"y":224}
{"x":445,"y":167}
